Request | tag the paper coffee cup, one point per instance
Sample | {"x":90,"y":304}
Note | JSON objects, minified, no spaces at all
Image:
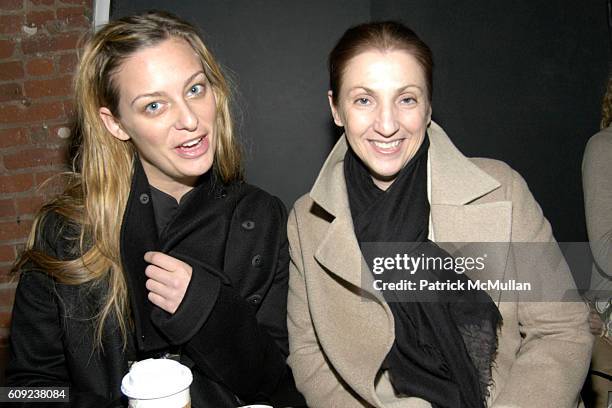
{"x":256,"y":406}
{"x":157,"y":383}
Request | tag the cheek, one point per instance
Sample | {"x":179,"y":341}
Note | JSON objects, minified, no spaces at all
{"x":206,"y":110}
{"x":415,"y":120}
{"x":148,"y":133}
{"x":357,"y":122}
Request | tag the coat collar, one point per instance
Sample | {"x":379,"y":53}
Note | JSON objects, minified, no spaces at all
{"x":455,"y":180}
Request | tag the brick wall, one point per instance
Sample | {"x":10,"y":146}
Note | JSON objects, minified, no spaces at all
{"x":37,"y":59}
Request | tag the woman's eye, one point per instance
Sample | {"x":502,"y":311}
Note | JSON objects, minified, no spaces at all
{"x":152,"y":107}
{"x":196,"y":89}
{"x":408,"y":100}
{"x":362,"y":101}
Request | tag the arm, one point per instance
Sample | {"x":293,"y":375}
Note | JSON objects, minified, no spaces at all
{"x":36,"y":349}
{"x":315,"y":378}
{"x":554,"y":355}
{"x":236,"y":341}
{"x":597,"y":185}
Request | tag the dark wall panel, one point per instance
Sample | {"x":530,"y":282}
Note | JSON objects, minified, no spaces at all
{"x":519,"y":81}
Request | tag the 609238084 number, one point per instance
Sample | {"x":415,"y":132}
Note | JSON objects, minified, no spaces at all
{"x":34,"y":394}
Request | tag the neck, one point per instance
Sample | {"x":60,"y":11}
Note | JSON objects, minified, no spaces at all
{"x":382,"y":184}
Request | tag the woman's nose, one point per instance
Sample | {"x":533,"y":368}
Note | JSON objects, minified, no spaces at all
{"x":187,"y":118}
{"x":386,"y":121}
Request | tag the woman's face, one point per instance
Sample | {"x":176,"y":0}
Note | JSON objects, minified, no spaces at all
{"x":167,"y":108}
{"x":384,"y":109}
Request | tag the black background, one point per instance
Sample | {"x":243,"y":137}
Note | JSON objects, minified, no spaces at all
{"x":518,"y":81}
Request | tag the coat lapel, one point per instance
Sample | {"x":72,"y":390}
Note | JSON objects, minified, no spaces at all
{"x":339,"y":250}
{"x":467,"y":230}
{"x":339,"y":253}
{"x":139,"y":235}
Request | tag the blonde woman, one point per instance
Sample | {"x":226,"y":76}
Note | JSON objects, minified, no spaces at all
{"x":157,"y":247}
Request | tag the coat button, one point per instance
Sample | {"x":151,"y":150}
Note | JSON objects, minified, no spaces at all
{"x":144,"y":198}
{"x":256,"y":261}
{"x":248,"y":225}
{"x":254,"y":300}
{"x":220,"y":193}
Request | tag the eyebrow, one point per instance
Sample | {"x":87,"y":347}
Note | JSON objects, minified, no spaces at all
{"x":400,"y":90}
{"x":153,"y":94}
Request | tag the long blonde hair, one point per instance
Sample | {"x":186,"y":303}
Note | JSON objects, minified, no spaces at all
{"x":98,"y":187}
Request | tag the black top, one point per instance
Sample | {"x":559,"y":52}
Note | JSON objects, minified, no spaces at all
{"x":166,"y":206}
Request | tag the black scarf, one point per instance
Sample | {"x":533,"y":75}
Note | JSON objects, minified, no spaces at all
{"x":444,"y":347}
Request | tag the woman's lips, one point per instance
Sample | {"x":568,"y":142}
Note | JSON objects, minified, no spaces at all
{"x":193,"y":148}
{"x":390,"y":147}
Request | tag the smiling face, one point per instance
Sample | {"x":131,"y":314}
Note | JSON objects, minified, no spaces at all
{"x":384,"y":109}
{"x":167,"y":109}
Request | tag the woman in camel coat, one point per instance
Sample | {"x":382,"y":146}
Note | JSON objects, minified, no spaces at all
{"x":342,"y":331}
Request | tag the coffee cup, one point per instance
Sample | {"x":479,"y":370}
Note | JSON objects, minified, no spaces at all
{"x":157,"y":383}
{"x":255,"y":406}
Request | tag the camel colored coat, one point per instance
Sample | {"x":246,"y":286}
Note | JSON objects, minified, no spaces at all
{"x":341,"y":330}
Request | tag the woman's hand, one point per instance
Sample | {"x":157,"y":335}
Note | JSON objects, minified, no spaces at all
{"x":168,"y":280}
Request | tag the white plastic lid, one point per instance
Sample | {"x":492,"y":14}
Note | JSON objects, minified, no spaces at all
{"x":155,"y":378}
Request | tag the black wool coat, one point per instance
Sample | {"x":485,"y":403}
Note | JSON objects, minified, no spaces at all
{"x":230,"y":328}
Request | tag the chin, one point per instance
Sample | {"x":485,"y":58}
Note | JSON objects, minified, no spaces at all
{"x":196,"y":171}
{"x":385,"y":173}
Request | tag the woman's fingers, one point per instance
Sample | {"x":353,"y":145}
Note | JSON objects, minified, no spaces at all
{"x":168,"y":280}
{"x":160,"y":289}
{"x":165,"y":261}
{"x":160,"y":302}
{"x":163,"y":276}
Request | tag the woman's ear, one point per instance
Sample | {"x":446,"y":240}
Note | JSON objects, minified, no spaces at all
{"x":334,"y":109}
{"x":112,"y":124}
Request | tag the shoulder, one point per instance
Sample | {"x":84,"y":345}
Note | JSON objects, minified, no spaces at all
{"x":56,"y":236}
{"x":599,"y":146}
{"x":255,"y":202}
{"x":306,"y":208}
{"x":497,"y":169}
{"x":513,"y":186}
{"x":303,"y":204}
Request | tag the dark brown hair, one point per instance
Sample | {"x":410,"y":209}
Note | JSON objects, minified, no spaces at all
{"x":382,"y":36}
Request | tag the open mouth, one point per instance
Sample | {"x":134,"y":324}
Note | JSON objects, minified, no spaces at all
{"x":386,"y":147}
{"x":191,"y":144}
{"x":193,"y":148}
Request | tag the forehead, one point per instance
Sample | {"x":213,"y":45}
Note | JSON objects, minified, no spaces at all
{"x":161,"y":65}
{"x":374,"y":69}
